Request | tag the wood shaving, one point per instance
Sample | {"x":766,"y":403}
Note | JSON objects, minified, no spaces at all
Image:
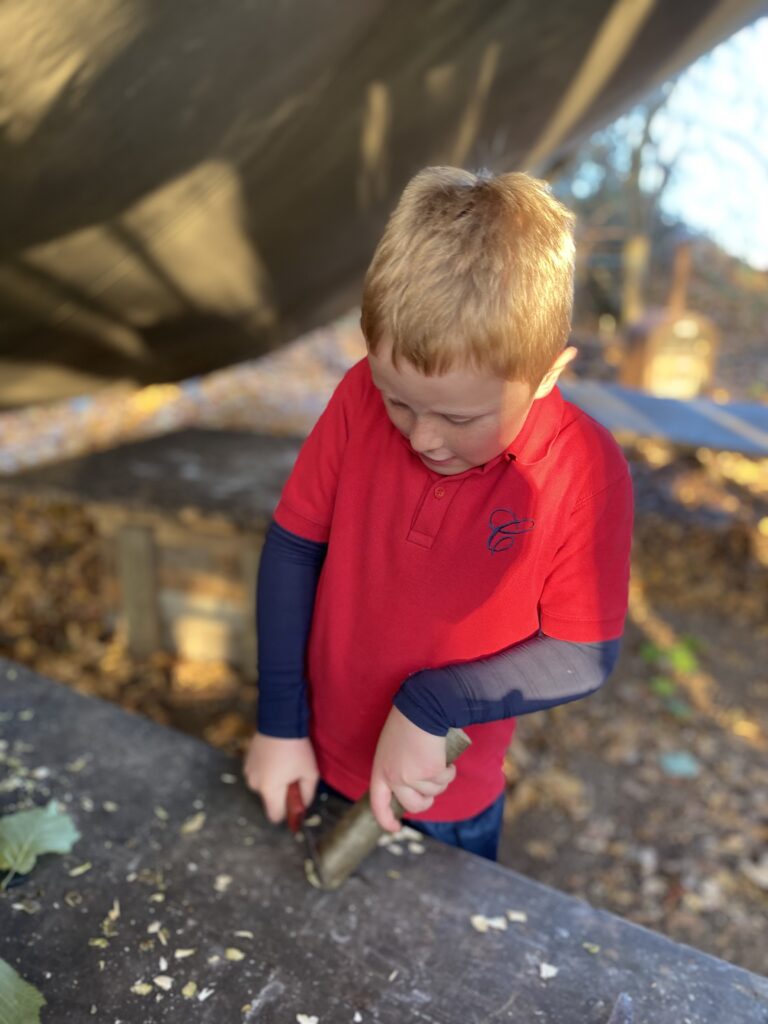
{"x":28,"y":906}
{"x":517,"y":916}
{"x":244,"y":934}
{"x":483,"y":924}
{"x":193,"y":824}
{"x":164,"y":982}
{"x":141,"y":988}
{"x":204,"y":994}
{"x":547,"y":971}
{"x":182,"y":954}
{"x":190,"y":990}
{"x":304,"y":1018}
{"x":222,"y":883}
{"x":234,"y":954}
{"x":80,"y":869}
{"x":414,"y":847}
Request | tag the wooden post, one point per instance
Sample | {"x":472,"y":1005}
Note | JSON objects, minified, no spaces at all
{"x":138,"y":589}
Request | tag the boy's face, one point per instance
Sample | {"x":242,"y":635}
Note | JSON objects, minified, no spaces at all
{"x":460,"y":419}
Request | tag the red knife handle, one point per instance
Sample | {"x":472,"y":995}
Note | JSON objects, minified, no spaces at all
{"x":294,"y":807}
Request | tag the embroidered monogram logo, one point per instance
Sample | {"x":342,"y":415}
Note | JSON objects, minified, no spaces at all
{"x":505,"y":526}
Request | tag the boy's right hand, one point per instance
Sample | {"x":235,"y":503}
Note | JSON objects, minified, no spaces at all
{"x":272,"y":764}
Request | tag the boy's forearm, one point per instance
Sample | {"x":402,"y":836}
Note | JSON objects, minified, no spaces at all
{"x":289,"y":571}
{"x":537,"y":674}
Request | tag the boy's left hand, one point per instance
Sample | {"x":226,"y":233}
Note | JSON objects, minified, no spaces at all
{"x":409,"y":764}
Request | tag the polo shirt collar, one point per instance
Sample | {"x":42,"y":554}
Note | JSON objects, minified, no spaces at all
{"x":538,"y":433}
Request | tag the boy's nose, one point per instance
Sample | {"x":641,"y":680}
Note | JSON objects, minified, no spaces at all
{"x":424,"y":436}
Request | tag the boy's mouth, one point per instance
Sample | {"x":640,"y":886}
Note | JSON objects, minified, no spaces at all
{"x":436,"y":462}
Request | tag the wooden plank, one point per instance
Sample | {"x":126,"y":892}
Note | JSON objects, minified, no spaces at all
{"x":698,"y":423}
{"x":205,"y":479}
{"x":138,"y":589}
{"x":382,"y":948}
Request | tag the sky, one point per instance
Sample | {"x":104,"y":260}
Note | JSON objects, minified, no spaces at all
{"x":716,"y":128}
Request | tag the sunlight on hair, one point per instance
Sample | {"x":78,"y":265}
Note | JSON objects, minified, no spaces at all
{"x":473,"y":269}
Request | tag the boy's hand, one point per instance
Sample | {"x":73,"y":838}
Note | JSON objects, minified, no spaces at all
{"x":409,"y":763}
{"x":272,"y":764}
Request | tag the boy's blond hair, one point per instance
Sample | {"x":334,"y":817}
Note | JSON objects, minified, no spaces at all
{"x":473,"y":270}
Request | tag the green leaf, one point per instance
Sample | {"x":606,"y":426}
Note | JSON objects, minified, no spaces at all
{"x":651,"y":653}
{"x":20,"y":1002}
{"x":27,"y":834}
{"x":682,"y":658}
{"x":663,"y":686}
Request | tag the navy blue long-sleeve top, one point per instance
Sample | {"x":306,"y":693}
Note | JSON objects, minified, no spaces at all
{"x":538,"y":673}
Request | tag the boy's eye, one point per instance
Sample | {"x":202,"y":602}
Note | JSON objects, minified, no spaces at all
{"x":456,"y":421}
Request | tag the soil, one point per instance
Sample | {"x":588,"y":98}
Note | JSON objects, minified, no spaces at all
{"x":650,"y":799}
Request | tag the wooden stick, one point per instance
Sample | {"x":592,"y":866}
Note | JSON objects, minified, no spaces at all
{"x":356,"y":834}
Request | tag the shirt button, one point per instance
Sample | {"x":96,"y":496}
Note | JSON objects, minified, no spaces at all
{"x":439,"y":492}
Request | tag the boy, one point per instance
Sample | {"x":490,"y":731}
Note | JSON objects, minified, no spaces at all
{"x":452,"y":547}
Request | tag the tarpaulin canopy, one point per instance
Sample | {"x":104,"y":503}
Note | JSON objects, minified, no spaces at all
{"x":185,"y":185}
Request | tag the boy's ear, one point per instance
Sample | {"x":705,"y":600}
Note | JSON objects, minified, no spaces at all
{"x":550,"y":378}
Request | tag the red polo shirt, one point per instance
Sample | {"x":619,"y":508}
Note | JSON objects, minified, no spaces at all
{"x":425,"y":570}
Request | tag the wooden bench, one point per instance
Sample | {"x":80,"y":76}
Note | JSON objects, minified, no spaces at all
{"x":183,"y":858}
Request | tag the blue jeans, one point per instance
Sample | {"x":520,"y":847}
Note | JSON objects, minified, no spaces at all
{"x":479,"y":834}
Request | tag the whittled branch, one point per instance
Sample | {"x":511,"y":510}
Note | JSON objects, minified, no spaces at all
{"x":357,"y":832}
